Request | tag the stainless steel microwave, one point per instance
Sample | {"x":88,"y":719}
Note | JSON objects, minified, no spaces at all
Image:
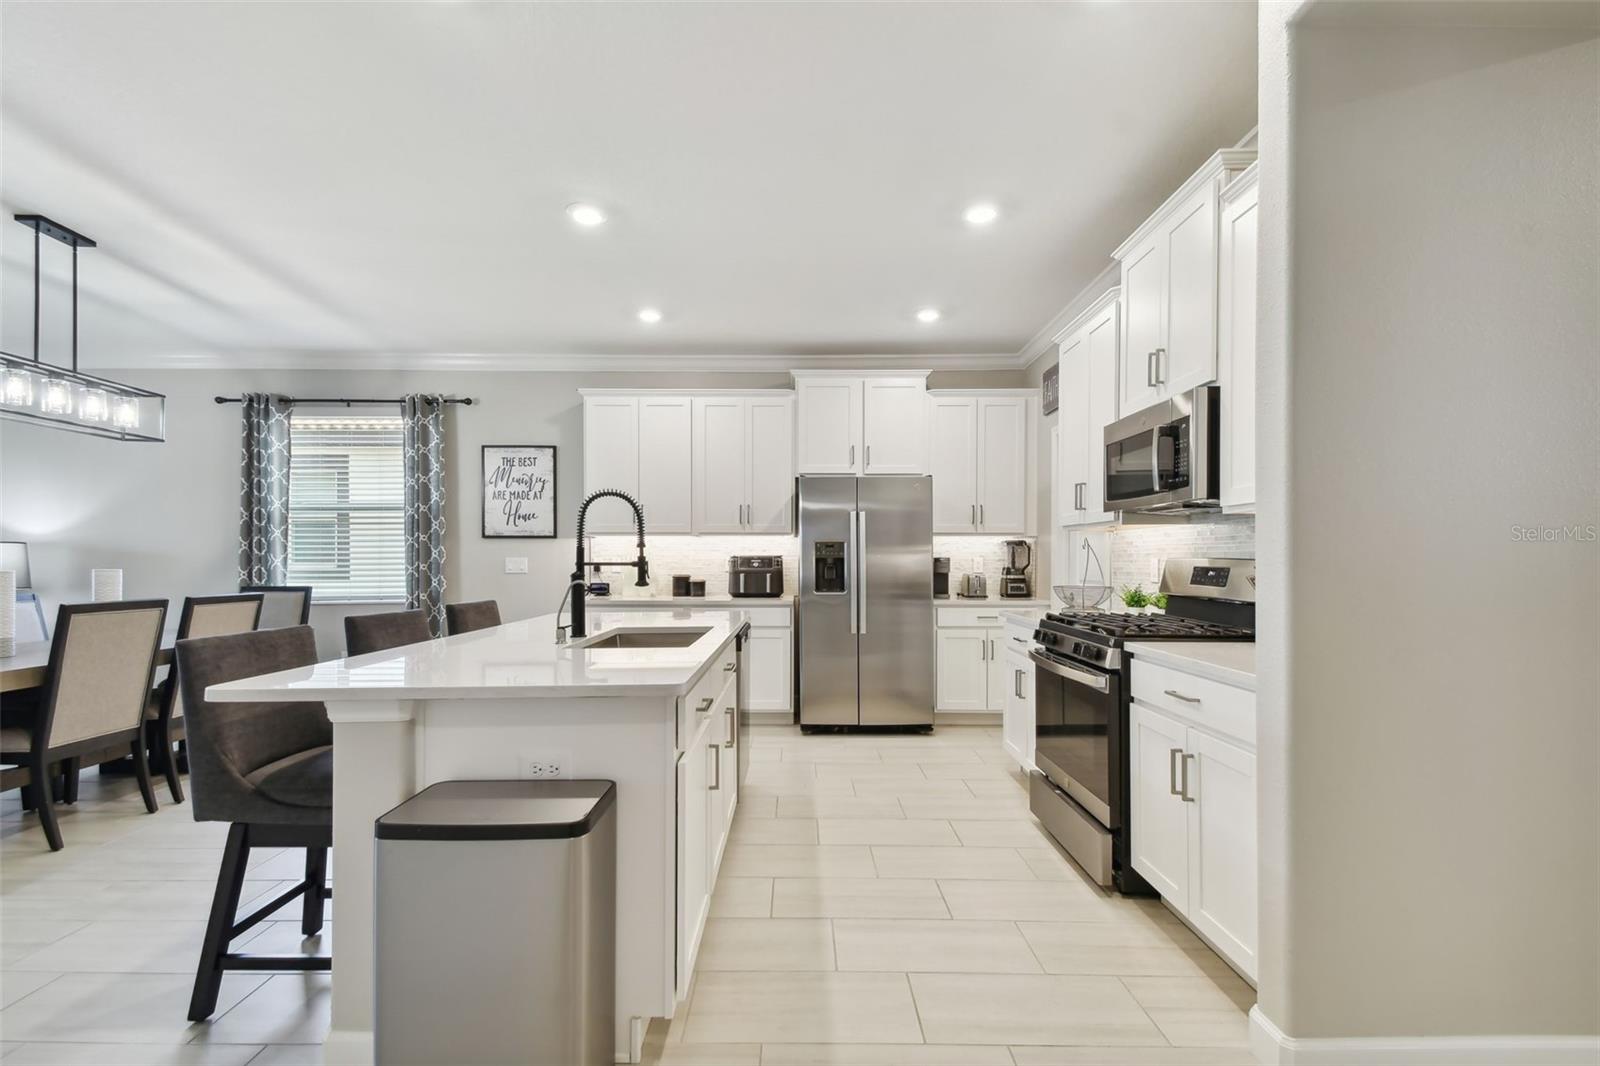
{"x":1164,"y":459}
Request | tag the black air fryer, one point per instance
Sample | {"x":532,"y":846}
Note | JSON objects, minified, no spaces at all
{"x":755,"y":576}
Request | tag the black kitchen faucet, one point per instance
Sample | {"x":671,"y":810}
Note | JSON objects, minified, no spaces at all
{"x":578,"y":588}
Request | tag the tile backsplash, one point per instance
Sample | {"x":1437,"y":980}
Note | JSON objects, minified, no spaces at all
{"x":704,"y":557}
{"x":1136,"y":548}
{"x":987,"y":555}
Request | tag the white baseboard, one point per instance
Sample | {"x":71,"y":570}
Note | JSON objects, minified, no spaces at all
{"x":1273,"y":1047}
{"x":348,"y":1047}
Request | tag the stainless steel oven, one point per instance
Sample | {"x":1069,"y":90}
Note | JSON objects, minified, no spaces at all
{"x":1165,"y":459}
{"x":1078,"y":740}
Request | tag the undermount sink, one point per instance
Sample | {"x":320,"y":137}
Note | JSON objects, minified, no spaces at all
{"x":647,"y":638}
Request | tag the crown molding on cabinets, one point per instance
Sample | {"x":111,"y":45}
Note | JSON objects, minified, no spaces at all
{"x":769,"y":362}
{"x":1044,"y":342}
{"x":1093,"y":309}
{"x":1223,"y":160}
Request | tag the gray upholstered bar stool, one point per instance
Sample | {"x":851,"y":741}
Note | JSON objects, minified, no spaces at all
{"x":466,"y":617}
{"x":268,"y":769}
{"x":203,"y":616}
{"x":365,"y":633}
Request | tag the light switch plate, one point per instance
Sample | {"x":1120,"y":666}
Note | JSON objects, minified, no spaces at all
{"x":516,"y":564}
{"x":1155,"y":569}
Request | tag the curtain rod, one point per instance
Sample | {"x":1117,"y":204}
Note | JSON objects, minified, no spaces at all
{"x":466,"y":400}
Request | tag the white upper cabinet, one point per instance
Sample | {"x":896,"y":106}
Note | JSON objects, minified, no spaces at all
{"x":894,"y":416}
{"x":953,"y":461}
{"x":610,"y":459}
{"x":664,"y":477}
{"x":829,"y":432}
{"x":1088,"y":378}
{"x":721,"y":455}
{"x":862,"y":423}
{"x":1004,"y":472}
{"x":769,"y":435}
{"x":743,"y":464}
{"x":708,"y":463}
{"x":981,"y":456}
{"x":1169,"y":289}
{"x":1236,"y":342}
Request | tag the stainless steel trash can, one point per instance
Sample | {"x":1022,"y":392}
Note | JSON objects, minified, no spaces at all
{"x":496,"y":924}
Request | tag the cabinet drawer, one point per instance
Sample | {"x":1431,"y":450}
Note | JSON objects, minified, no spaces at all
{"x":979,"y":617}
{"x":769,"y":617}
{"x":701,"y":701}
{"x":1218,"y":707}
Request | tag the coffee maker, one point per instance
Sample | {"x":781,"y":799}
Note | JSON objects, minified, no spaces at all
{"x":1014,"y":580}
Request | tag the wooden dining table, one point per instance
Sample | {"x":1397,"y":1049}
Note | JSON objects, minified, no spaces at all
{"x":29,"y":667}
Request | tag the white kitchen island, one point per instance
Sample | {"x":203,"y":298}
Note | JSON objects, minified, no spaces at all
{"x":647,"y":700}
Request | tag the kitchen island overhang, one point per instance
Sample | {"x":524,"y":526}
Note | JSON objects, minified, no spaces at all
{"x":649,"y":714}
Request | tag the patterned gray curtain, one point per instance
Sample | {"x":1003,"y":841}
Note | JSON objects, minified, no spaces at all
{"x":424,"y":452}
{"x":264,"y":491}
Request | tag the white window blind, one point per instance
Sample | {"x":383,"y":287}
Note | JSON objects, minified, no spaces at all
{"x":346,"y":506}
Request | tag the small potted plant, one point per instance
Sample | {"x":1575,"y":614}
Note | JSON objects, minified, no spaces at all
{"x":1135,"y":599}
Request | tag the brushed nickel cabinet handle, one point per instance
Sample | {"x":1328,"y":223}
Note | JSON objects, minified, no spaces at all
{"x":705,"y":705}
{"x":729,"y":668}
{"x":1150,"y":369}
{"x":868,"y":456}
{"x":1184,"y":787}
{"x":716,"y":760}
{"x":1172,"y":770}
{"x":852,"y":456}
{"x":1175,"y":694}
{"x":1161,"y":379}
{"x":733,"y":730}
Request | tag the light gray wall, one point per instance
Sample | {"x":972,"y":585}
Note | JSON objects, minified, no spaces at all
{"x":167,"y":514}
{"x":1429,"y":385}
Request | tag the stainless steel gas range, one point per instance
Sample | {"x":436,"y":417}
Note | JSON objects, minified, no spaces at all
{"x":1081,"y":699}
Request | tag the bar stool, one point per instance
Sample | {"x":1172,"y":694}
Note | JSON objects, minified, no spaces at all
{"x":365,"y":633}
{"x":467,"y":617}
{"x":268,"y":769}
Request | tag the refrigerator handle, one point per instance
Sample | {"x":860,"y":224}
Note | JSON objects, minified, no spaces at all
{"x":850,"y":568}
{"x":861,"y":565}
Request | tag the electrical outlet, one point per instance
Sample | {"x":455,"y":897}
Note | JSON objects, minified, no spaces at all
{"x":516,"y":564}
{"x":545,"y":765}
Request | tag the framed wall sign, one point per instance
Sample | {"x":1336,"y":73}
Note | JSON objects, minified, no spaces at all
{"x":1052,"y":389}
{"x":519,"y":490}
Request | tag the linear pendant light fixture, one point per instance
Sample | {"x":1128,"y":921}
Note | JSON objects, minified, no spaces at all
{"x":45,"y":394}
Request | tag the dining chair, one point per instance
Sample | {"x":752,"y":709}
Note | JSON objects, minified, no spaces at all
{"x":282,"y":606}
{"x":102,"y":662}
{"x":466,"y":617}
{"x":203,"y":616}
{"x":365,"y":633}
{"x":267,"y":769}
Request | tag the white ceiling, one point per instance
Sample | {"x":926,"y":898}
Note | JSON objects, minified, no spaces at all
{"x":339,"y":182}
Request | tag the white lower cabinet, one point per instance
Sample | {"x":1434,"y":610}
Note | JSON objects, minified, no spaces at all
{"x":963,"y":665}
{"x":1016,"y":732}
{"x":707,"y":786}
{"x":1193,"y":816}
{"x":769,"y":656}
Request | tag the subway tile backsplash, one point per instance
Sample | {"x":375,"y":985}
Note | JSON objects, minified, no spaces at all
{"x":704,"y":557}
{"x":986,"y":555}
{"x":1135,"y":549}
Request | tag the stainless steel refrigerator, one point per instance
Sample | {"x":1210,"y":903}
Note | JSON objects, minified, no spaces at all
{"x":866,"y":601}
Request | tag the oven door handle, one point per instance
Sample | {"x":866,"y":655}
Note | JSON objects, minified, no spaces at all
{"x":1098,"y":682}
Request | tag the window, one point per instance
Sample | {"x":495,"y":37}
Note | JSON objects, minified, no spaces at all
{"x":347,"y":506}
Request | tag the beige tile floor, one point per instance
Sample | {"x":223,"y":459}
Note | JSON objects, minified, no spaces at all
{"x":883,"y":900}
{"x":887,"y":899}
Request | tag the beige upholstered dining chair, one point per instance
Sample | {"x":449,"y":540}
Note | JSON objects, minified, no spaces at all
{"x":101,"y":664}
{"x":282,"y":606}
{"x":203,"y":616}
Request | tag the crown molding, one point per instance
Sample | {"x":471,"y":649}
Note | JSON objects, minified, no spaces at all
{"x":1110,"y":296}
{"x":1223,"y":163}
{"x":1044,"y":341}
{"x":634,"y":362}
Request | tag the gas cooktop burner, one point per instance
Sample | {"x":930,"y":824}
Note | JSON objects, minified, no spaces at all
{"x":1118,"y":627}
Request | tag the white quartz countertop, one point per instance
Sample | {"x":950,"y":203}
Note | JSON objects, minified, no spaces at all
{"x":518,"y":660}
{"x":1232,"y":662}
{"x":987,"y":602}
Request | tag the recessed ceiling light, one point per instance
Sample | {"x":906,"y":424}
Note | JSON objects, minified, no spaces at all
{"x":586,"y":215}
{"x":927,"y":315}
{"x":649,"y":315}
{"x":981,"y":214}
